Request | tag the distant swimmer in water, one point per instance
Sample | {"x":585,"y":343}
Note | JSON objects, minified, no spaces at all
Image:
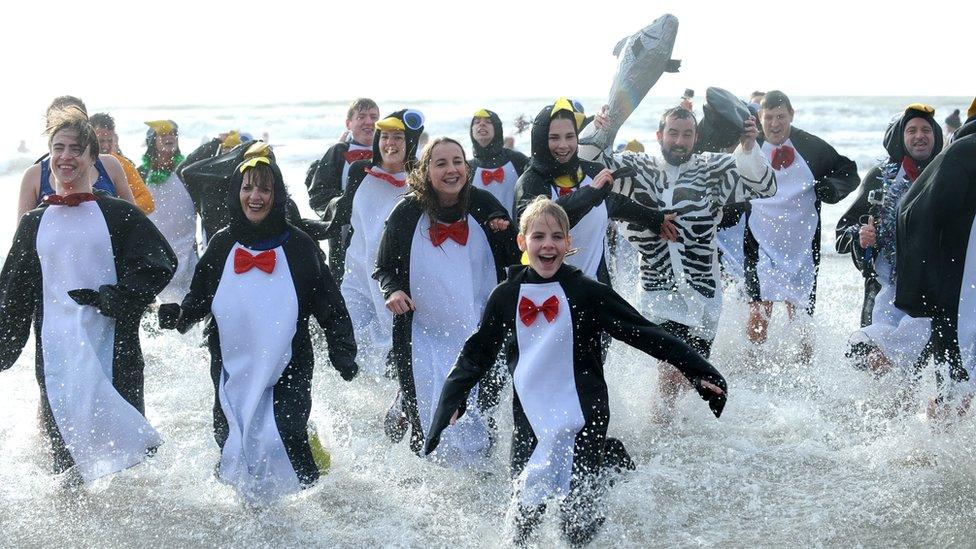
{"x":782,"y":232}
{"x":375,"y":186}
{"x":888,"y":339}
{"x":174,"y":214}
{"x":106,"y":175}
{"x":549,"y":316}
{"x":22,"y":148}
{"x":261,"y":279}
{"x":328,"y":177}
{"x":108,"y":143}
{"x":444,"y":249}
{"x":496,"y":168}
{"x":84,"y":267}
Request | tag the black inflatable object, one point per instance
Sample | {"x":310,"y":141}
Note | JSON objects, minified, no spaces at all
{"x":722,"y":124}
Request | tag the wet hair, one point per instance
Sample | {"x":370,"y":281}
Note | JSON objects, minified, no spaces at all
{"x":102,"y":120}
{"x":678,"y":113}
{"x":72,"y":119}
{"x":423,"y":189}
{"x":775,"y":99}
{"x":540,"y":206}
{"x":360,"y":104}
{"x":261,"y":175}
{"x":757,"y":95}
{"x":62,"y":102}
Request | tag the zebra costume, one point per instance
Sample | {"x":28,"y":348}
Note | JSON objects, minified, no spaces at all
{"x":680,"y":280}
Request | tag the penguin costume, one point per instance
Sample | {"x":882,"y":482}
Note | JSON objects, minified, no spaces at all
{"x":174,"y":214}
{"x":365,"y":205}
{"x":552,"y":332}
{"x":261,"y":282}
{"x":496,"y":169}
{"x":936,"y":255}
{"x":900,"y":337}
{"x":84,"y":268}
{"x":207,"y":172}
{"x":569,"y":184}
{"x":326,"y":179}
{"x":447,"y":261}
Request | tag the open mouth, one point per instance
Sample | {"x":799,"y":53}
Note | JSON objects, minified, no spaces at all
{"x":547,"y":260}
{"x":255,"y":207}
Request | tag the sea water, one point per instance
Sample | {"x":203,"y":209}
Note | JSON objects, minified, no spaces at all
{"x":805,"y":454}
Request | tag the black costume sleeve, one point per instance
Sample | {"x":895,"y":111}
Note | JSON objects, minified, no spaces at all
{"x":476,"y":358}
{"x":621,"y":208}
{"x":847,"y":233}
{"x":19,"y":290}
{"x":519,"y":161}
{"x":329,"y":309}
{"x":338,"y":211}
{"x":619,"y":319}
{"x":484,"y":208}
{"x":577,"y":204}
{"x":206,"y":150}
{"x":326,"y":183}
{"x":206,"y":277}
{"x":392,"y":259}
{"x":146,"y":260}
{"x":312,"y":227}
{"x":835,"y":175}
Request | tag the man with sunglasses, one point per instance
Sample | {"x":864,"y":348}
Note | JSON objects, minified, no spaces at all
{"x":782,"y":234}
{"x":888,"y":337}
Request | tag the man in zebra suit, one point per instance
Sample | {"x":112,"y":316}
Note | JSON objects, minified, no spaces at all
{"x":679,"y":278}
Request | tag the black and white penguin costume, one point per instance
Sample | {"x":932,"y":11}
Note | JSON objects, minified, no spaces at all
{"x":496,"y":169}
{"x":900,"y":337}
{"x":364,"y":205}
{"x":782,"y":234}
{"x":570,"y":185}
{"x":85,"y":268}
{"x":328,"y":178}
{"x":261,"y":283}
{"x":450,"y":283}
{"x":552,"y":330}
{"x":936,"y":256}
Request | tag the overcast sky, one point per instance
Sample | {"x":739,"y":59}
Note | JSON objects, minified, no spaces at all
{"x":209,"y":51}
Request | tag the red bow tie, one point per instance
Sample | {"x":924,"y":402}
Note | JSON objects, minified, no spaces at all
{"x":244,"y":261}
{"x":489,"y":176}
{"x":563,"y":191}
{"x":911,"y":168}
{"x":387,"y":177}
{"x":528,"y":311}
{"x":457,"y":231}
{"x":361,"y":154}
{"x":67,"y":200}
{"x":783,"y":157}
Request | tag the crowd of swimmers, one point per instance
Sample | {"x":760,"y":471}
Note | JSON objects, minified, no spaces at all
{"x":456,"y":277}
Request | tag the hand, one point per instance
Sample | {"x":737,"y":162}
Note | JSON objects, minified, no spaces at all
{"x":602,"y":118}
{"x":454,"y":417}
{"x":686,"y":104}
{"x":868,"y":234}
{"x":169,"y":316}
{"x":399,"y":303}
{"x":669,"y":230}
{"x":749,"y":134}
{"x":604,"y":177}
{"x":712,"y":387}
{"x":343,"y":136}
{"x":84,"y":296}
{"x":498,"y":224}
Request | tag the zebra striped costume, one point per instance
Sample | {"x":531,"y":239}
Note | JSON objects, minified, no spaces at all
{"x":680,"y":280}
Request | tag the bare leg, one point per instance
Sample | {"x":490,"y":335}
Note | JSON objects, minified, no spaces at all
{"x":759,"y":313}
{"x":672,"y":384}
{"x":806,"y":345}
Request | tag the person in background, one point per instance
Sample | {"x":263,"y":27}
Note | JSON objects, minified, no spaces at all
{"x":496,"y":169}
{"x":108,"y":143}
{"x":952,"y":124}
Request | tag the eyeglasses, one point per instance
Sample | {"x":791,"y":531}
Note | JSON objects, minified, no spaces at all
{"x":413,"y":119}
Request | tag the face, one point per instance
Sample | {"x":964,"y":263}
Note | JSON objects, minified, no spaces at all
{"x":546,"y":244}
{"x":362,"y":124}
{"x":483,"y":131}
{"x":257,"y":197}
{"x":106,"y":140}
{"x":167,"y":144}
{"x":562,"y":140}
{"x":393,"y":146}
{"x":448,"y":171}
{"x":919,"y":139}
{"x":70,"y":161}
{"x":677,"y":140}
{"x":776,"y":124}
